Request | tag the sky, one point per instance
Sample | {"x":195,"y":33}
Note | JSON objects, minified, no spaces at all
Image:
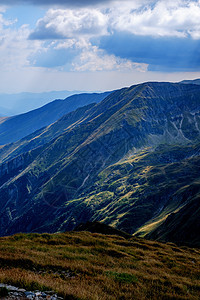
{"x":96,"y":45}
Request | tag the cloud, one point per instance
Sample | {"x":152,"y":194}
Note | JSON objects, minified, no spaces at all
{"x":14,"y":45}
{"x":55,"y":2}
{"x":161,"y":35}
{"x":136,"y":37}
{"x":161,"y":18}
{"x":81,"y":56}
{"x":162,"y":54}
{"x":60,"y":24}
{"x":93,"y":59}
{"x":75,"y":53}
{"x":4,"y":22}
{"x":52,"y":58}
{"x":15,"y":49}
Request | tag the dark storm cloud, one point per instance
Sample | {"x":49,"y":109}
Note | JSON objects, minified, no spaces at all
{"x":162,"y":54}
{"x":69,"y":3}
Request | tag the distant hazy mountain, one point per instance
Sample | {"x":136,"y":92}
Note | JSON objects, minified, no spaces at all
{"x":5,"y":112}
{"x":17,"y":127}
{"x":131,"y":161}
{"x":14,"y":104}
{"x":195,"y":81}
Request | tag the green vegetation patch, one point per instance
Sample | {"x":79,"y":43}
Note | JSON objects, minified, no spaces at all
{"x":122,"y":277}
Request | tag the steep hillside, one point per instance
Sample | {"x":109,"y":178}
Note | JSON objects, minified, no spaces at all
{"x":17,"y":127}
{"x":45,"y":134}
{"x":2,"y":119}
{"x":139,"y":193}
{"x":130,"y":161}
{"x":184,"y":225}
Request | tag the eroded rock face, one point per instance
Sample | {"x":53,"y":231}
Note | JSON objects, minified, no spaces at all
{"x":69,"y":177}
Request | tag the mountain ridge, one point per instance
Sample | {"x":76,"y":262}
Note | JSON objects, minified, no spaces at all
{"x":122,"y":161}
{"x":17,"y":127}
{"x":19,"y":103}
{"x":194,"y":81}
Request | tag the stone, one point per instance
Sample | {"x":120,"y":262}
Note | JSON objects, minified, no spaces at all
{"x":30,"y":295}
{"x":11,"y":288}
{"x":21,"y":290}
{"x":20,"y":293}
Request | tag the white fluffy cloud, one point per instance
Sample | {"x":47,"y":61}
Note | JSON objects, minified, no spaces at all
{"x":15,"y":47}
{"x":74,"y":29}
{"x":3,"y":22}
{"x":60,"y":23}
{"x":164,"y":18}
{"x":156,"y":18}
{"x":93,"y":59}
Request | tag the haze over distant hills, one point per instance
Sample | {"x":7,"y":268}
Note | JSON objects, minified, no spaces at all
{"x":195,"y":81}
{"x":17,"y":127}
{"x":14,"y":104}
{"x":131,"y":161}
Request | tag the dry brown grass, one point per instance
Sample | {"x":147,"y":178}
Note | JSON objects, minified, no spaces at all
{"x":94,"y":266}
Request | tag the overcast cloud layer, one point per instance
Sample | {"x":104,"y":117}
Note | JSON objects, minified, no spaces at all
{"x":133,"y":37}
{"x":55,"y":2}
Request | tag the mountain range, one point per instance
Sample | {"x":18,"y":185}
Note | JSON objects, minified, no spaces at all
{"x":17,"y":127}
{"x":13,"y":104}
{"x":131,"y":161}
{"x":195,"y":81}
